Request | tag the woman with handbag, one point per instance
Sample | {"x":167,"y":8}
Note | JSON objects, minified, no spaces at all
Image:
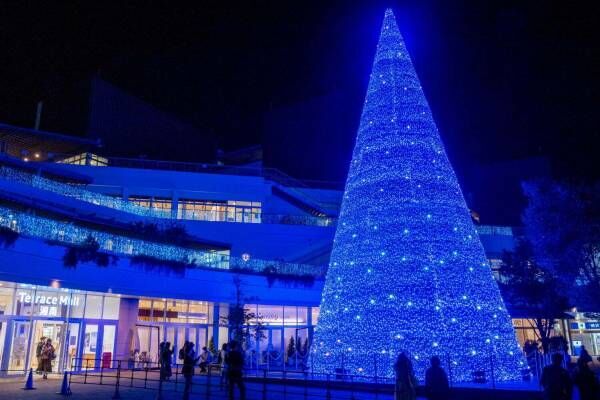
{"x":48,"y":354}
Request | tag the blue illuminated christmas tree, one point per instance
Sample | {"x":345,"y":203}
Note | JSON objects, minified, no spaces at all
{"x":407,"y":270}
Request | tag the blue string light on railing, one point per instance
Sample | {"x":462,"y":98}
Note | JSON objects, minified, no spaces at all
{"x":407,"y":271}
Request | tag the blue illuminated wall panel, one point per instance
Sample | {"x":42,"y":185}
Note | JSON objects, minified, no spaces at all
{"x":407,"y":270}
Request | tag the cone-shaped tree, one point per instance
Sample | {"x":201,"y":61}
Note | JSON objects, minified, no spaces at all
{"x":407,"y":270}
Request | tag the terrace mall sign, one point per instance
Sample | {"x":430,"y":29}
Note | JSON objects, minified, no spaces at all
{"x":62,"y":300}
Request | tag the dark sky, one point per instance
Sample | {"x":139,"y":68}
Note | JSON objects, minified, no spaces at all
{"x":505,"y":79}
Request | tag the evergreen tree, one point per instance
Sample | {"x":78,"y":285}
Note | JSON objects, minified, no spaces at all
{"x":291,"y":348}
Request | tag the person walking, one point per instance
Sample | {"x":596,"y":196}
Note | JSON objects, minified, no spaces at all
{"x":38,"y":354}
{"x":48,"y":354}
{"x":166,"y":358}
{"x":555,"y":380}
{"x":189,"y":362}
{"x":235,"y":365}
{"x":221,"y":360}
{"x":586,"y":381}
{"x":436,"y":381}
{"x":406,"y":382}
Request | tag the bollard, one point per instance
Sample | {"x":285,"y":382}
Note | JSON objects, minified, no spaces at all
{"x":305,"y":385}
{"x":117,"y":395}
{"x":65,"y":387}
{"x":328,"y":389}
{"x":284,"y":384}
{"x":29,"y":381}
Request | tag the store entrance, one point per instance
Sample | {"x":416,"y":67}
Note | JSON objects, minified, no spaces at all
{"x":44,"y":330}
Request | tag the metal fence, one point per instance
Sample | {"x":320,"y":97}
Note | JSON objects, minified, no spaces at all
{"x":121,"y":374}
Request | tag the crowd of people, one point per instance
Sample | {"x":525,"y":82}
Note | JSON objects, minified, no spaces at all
{"x":559,"y":383}
{"x":230,"y":362}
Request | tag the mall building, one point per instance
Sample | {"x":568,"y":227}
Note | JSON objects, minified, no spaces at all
{"x":109,"y":257}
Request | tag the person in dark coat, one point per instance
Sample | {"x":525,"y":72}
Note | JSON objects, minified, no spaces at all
{"x":189,"y":362}
{"x":436,"y":381}
{"x":166,"y":357}
{"x":555,"y":380}
{"x":586,"y":381}
{"x":584,"y":355}
{"x":235,"y":365}
{"x":406,"y":382}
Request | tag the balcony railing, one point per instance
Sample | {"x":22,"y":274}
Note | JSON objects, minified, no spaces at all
{"x":68,"y":233}
{"x":71,"y":234}
{"x":117,"y":203}
{"x":79,"y":193}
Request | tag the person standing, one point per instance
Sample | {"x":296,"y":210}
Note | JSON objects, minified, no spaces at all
{"x":436,"y":381}
{"x":555,"y":380}
{"x":38,"y":354}
{"x":203,"y":359}
{"x":221,"y":359}
{"x":586,"y":381}
{"x":166,"y":357}
{"x":235,"y":366}
{"x":48,"y":354}
{"x":189,"y":363}
{"x":406,"y":382}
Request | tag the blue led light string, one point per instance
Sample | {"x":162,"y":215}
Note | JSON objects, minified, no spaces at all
{"x":407,"y":269}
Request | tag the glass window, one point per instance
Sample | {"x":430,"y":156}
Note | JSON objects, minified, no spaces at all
{"x":77,"y":301}
{"x":108,"y":344}
{"x":6,"y":301}
{"x":271,"y":315}
{"x":158,"y":310}
{"x":212,"y":210}
{"x":177,"y":311}
{"x":93,"y":306}
{"x":24,"y":298}
{"x":90,"y":341}
{"x":198,"y":313}
{"x":290,"y":316}
{"x":111,"y":307}
{"x":315,"y":315}
{"x":144,"y":310}
{"x":302,"y":315}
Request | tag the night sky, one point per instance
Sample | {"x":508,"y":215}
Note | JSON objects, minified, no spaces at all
{"x":505,"y":80}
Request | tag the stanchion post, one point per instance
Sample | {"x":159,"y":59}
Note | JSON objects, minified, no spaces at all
{"x":87,"y":365}
{"x":208,"y":376}
{"x":132,"y":371}
{"x":146,"y":376}
{"x":305,"y":385}
{"x":264,"y":386}
{"x":117,"y":395}
{"x":101,"y":371}
{"x":328,"y":388}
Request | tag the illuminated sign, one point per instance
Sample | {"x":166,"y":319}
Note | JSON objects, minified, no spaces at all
{"x":62,"y":300}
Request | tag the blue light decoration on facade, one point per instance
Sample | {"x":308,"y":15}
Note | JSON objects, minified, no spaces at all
{"x":407,"y":269}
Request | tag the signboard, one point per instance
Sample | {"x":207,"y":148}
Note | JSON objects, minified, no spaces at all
{"x":592,"y":325}
{"x":62,"y":300}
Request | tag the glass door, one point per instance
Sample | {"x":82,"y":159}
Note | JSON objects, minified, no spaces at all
{"x":90,"y":347}
{"x":18,"y":347}
{"x":149,"y":339}
{"x":44,"y":331}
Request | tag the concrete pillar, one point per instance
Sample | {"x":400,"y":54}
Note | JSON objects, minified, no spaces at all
{"x":126,"y":329}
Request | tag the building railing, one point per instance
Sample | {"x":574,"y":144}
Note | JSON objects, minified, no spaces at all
{"x":117,"y":203}
{"x":80,"y":193}
{"x":70,"y":234}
